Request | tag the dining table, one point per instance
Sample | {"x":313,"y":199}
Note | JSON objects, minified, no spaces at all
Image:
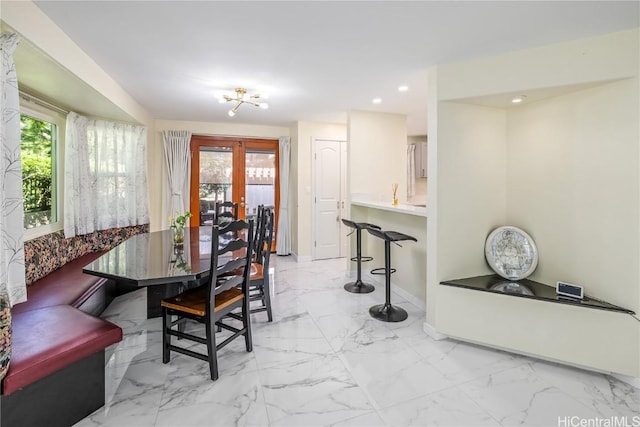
{"x":153,"y":261}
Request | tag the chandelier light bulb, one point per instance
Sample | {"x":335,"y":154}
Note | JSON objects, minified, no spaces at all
{"x":231,"y":113}
{"x":264,"y":105}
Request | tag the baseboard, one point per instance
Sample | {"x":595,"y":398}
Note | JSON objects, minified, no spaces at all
{"x":431,"y":332}
{"x":406,"y":295}
{"x":399,"y":291}
{"x":632,"y":381}
{"x":305,"y":258}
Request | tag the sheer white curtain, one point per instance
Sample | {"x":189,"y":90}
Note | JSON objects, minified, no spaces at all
{"x":178,"y":161}
{"x":283,"y":239}
{"x":411,"y":170}
{"x":105,"y":183}
{"x":12,"y":280}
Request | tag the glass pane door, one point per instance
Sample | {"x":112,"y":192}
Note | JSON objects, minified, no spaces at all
{"x":243,"y":171}
{"x":216,"y":180}
{"x":260,"y":180}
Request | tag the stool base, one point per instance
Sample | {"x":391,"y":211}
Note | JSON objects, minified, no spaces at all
{"x":388,"y":313}
{"x":359,"y":287}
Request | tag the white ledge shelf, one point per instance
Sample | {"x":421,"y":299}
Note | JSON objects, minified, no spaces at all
{"x":388,"y":206}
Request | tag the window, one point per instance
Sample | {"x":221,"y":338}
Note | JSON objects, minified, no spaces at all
{"x":40,"y":145}
{"x":105,"y":175}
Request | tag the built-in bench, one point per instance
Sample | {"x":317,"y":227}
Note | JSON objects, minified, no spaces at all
{"x":57,"y":370}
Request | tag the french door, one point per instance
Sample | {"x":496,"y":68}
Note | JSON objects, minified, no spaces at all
{"x":241,"y":170}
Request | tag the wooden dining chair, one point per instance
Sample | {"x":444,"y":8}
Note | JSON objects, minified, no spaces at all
{"x":223,"y":296}
{"x":258,"y":234}
{"x":226,"y":212}
{"x":259,"y":285}
{"x":207,"y":212}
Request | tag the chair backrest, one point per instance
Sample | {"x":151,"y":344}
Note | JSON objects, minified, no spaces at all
{"x":225,"y":212}
{"x":207,"y":205}
{"x":258,"y":234}
{"x":237,"y":252}
{"x":263,"y":251}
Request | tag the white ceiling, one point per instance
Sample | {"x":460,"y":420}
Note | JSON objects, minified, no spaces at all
{"x":317,"y":60}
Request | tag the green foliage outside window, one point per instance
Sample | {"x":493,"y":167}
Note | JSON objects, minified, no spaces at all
{"x":36,"y":183}
{"x":210,"y":190}
{"x":37,"y":170}
{"x":36,"y":136}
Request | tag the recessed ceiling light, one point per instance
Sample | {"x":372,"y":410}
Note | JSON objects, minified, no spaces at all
{"x":518,"y":99}
{"x":403,"y":88}
{"x":376,"y":100}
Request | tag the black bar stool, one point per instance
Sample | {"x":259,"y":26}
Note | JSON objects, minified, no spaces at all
{"x":359,"y":287}
{"x":387,"y":312}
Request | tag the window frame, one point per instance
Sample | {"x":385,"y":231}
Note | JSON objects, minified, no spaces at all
{"x":40,"y":112}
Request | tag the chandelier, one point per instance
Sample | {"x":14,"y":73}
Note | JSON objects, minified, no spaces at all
{"x":240,"y":99}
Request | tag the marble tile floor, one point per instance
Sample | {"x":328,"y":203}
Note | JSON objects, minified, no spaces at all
{"x":324,"y":361}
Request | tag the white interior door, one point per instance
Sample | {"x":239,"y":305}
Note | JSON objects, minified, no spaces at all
{"x":328,"y":198}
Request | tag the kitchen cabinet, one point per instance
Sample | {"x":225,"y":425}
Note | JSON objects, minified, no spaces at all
{"x":421,"y":159}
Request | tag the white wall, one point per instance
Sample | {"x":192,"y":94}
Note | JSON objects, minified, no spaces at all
{"x":294,"y":188}
{"x":377,"y":154}
{"x":223,"y":129}
{"x":564,"y":168}
{"x":471,"y":188}
{"x":612,"y":56}
{"x":573,"y":181}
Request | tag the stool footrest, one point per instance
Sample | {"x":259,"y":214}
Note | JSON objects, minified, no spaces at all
{"x":382,"y":270}
{"x":362,"y":258}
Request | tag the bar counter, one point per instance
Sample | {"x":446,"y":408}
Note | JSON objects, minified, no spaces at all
{"x":410,"y":280}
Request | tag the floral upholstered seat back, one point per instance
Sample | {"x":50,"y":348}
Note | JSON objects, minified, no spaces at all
{"x":5,"y":335}
{"x":45,"y":254}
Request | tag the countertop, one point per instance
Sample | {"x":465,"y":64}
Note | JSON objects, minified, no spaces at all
{"x":388,"y":206}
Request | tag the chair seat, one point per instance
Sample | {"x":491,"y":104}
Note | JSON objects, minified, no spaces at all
{"x":391,"y":236}
{"x":359,"y":225}
{"x":257,"y":271}
{"x":194,"y":301}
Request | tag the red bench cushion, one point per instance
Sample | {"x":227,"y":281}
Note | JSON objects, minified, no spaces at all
{"x":68,"y":285}
{"x":48,"y":339}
